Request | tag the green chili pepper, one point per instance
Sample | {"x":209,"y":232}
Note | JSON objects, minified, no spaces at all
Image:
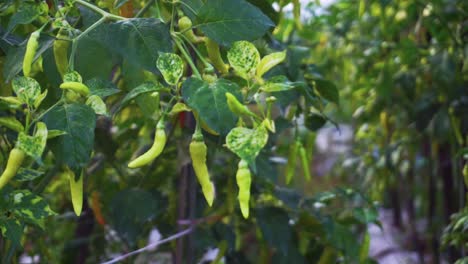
{"x":305,"y":162}
{"x":31,"y":48}
{"x":237,"y":107}
{"x":215,"y":56}
{"x":76,"y":190}
{"x":76,"y":87}
{"x":292,"y":160}
{"x":155,"y":150}
{"x":244,"y":179}
{"x":15,"y":159}
{"x":198,"y":151}
{"x":61,"y":53}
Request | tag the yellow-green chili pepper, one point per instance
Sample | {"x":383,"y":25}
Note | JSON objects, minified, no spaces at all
{"x":61,"y":54}
{"x":198,"y":152}
{"x":292,"y":158}
{"x":31,"y":48}
{"x":215,"y":56}
{"x":155,"y":150}
{"x":76,"y":190}
{"x":237,"y":107}
{"x":77,"y":87}
{"x":15,"y":159}
{"x":305,"y":162}
{"x":185,"y":26}
{"x":244,"y":179}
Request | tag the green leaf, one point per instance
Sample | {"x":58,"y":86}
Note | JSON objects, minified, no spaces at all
{"x":78,"y":121}
{"x":96,"y":103}
{"x":275,"y":228}
{"x":327,"y":90}
{"x":27,"y":13}
{"x":209,"y":100}
{"x":192,"y":8}
{"x":179,"y":107}
{"x":341,"y":237}
{"x":278,"y":84}
{"x":314,"y":122}
{"x":270,"y":61}
{"x":12,"y":229}
{"x":171,"y":66}
{"x":27,"y":89}
{"x":40,"y":98}
{"x":137,"y":40}
{"x":243,"y":57}
{"x":246,"y":143}
{"x":27,"y":174}
{"x":131,"y":209}
{"x":143,"y":88}
{"x":29,"y":207}
{"x":227,"y":21}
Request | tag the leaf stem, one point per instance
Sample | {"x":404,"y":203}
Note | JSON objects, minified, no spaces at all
{"x":75,"y":40}
{"x":46,"y":111}
{"x":186,"y":55}
{"x":105,"y":16}
{"x":145,"y":8}
{"x":205,"y":62}
{"x":99,"y":10}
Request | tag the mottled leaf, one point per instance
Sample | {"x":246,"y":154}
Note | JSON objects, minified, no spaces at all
{"x":24,"y":174}
{"x":171,"y":66}
{"x":34,"y":145}
{"x":246,"y":143}
{"x":27,"y":13}
{"x":27,"y":89}
{"x":29,"y":207}
{"x":243,"y":57}
{"x":72,"y":76}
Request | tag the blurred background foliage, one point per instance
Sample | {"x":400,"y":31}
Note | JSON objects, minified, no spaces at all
{"x":392,"y":133}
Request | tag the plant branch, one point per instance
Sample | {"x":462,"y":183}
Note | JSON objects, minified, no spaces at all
{"x":75,"y":40}
{"x":177,"y":41}
{"x":98,"y":10}
{"x":145,"y":8}
{"x":150,"y":246}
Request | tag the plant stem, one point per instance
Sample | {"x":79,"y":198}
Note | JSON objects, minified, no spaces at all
{"x":187,"y":56}
{"x":75,"y":40}
{"x":45,"y":112}
{"x":207,"y":64}
{"x":145,"y":8}
{"x":105,"y":16}
{"x":99,"y":10}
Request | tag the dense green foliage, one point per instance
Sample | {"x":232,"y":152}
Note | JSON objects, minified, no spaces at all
{"x":116,"y":99}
